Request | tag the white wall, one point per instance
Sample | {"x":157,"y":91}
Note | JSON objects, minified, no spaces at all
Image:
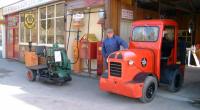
{"x":3,"y":41}
{"x":2,"y":27}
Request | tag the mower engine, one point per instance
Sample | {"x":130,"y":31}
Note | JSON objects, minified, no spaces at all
{"x":56,"y":69}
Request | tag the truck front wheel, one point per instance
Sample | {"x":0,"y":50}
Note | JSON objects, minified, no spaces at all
{"x":149,"y":89}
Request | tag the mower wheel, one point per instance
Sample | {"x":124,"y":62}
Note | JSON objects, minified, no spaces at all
{"x":31,"y":75}
{"x":176,"y":81}
{"x":149,"y":89}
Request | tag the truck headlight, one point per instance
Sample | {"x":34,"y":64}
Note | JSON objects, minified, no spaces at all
{"x":107,"y":60}
{"x":130,"y":62}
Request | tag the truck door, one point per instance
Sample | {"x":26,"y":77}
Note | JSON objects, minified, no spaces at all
{"x":168,"y":46}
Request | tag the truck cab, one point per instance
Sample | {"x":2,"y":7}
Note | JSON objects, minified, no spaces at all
{"x":150,"y":60}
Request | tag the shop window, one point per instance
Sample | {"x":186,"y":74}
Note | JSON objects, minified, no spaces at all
{"x":49,"y":25}
{"x":52,"y":26}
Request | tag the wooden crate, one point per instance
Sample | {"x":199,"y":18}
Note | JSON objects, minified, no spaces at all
{"x":30,"y":59}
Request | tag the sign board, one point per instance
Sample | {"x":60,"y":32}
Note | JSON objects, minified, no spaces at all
{"x":78,"y":17}
{"x":24,"y":4}
{"x":57,"y":55}
{"x":13,"y":20}
{"x":29,"y":20}
{"x":127,"y":14}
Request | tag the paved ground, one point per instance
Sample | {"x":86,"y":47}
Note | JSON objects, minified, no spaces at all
{"x":83,"y":94}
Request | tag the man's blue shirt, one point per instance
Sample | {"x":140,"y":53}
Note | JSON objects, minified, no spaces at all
{"x":113,"y":44}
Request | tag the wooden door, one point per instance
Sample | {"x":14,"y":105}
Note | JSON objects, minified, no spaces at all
{"x":9,"y":43}
{"x":15,"y":43}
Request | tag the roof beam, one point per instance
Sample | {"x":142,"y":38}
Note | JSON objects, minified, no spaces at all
{"x":176,"y":7}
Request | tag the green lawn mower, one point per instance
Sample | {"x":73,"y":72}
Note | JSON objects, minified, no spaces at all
{"x":57,"y":68}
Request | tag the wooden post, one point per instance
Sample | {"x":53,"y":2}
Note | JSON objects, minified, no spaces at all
{"x":112,"y":8}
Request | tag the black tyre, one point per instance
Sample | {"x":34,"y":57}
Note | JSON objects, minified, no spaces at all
{"x":31,"y":75}
{"x":149,"y":89}
{"x":176,"y":81}
{"x":68,"y":78}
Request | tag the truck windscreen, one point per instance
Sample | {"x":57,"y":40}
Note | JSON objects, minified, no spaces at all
{"x":145,"y":33}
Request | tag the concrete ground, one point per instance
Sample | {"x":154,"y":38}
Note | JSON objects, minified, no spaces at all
{"x":82,"y":93}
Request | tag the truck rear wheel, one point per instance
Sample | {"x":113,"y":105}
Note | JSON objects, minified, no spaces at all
{"x":176,"y":81}
{"x":31,"y":75}
{"x":149,"y":89}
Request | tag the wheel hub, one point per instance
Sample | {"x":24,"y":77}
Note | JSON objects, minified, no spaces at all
{"x":150,"y":90}
{"x":30,"y":76}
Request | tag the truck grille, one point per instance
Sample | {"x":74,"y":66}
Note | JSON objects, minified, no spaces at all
{"x":115,"y":69}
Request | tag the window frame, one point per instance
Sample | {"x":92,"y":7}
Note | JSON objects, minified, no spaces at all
{"x":55,"y":17}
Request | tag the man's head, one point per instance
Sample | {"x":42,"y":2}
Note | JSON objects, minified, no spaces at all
{"x":109,"y":33}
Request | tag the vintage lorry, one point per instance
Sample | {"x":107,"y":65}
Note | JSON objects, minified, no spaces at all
{"x":154,"y":57}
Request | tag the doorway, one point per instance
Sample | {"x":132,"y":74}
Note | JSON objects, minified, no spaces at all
{"x":12,"y":43}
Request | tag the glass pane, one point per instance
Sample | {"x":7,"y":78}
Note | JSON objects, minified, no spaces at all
{"x":147,"y":33}
{"x":22,"y":32}
{"x":34,"y":31}
{"x":22,"y":17}
{"x":34,"y":34}
{"x":22,"y":28}
{"x":42,"y":32}
{"x":10,"y":36}
{"x":60,"y":30}
{"x":50,"y":31}
{"x":27,"y":35}
{"x":50,"y":11}
{"x":59,"y":10}
{"x":43,"y":13}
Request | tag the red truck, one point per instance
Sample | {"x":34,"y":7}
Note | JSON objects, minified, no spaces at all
{"x":152,"y":59}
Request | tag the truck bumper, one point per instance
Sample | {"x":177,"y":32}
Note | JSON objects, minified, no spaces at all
{"x":129,"y":89}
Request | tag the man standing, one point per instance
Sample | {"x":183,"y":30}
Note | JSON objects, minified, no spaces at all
{"x":111,"y":44}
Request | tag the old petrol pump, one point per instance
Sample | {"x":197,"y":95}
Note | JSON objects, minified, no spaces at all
{"x":76,"y":19}
{"x":77,"y":23}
